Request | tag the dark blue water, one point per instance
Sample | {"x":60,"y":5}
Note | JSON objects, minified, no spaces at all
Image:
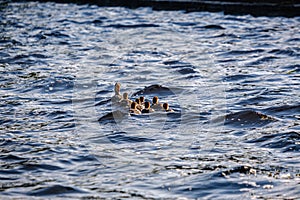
{"x":233,"y":82}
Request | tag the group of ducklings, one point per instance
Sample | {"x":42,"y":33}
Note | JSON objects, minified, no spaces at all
{"x":138,"y":106}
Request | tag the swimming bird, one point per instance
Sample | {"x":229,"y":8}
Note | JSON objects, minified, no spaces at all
{"x":117,"y":97}
{"x":133,"y":108}
{"x":147,"y":108}
{"x":155,"y":104}
{"x":126,"y":102}
{"x":139,"y":105}
{"x":142,"y":100}
{"x":167,"y":108}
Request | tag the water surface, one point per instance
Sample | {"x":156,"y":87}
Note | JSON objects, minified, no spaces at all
{"x":233,"y":82}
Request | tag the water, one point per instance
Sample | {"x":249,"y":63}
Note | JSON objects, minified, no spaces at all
{"x":233,"y":82}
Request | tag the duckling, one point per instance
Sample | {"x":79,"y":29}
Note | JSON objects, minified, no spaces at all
{"x":133,"y":108}
{"x":155,"y":104}
{"x":139,"y":106}
{"x":117,"y":97}
{"x":147,"y":108}
{"x":142,"y":100}
{"x":125,"y":101}
{"x":167,"y":108}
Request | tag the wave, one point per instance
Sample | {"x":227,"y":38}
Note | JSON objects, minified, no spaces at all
{"x":248,"y":118}
{"x":154,"y":89}
{"x":287,"y":141}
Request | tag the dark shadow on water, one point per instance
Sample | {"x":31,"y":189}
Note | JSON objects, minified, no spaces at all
{"x":154,"y":89}
{"x":54,"y":190}
{"x":245,"y":119}
{"x":125,"y":26}
{"x":112,"y":117}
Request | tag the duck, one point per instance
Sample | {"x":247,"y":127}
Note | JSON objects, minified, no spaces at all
{"x":117,"y":97}
{"x":167,"y":108}
{"x":126,"y":102}
{"x":147,"y":108}
{"x":133,"y":108}
{"x":139,"y":105}
{"x":155,"y":104}
{"x":142,"y":100}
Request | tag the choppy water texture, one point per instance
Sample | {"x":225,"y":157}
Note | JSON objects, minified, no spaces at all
{"x":233,"y":82}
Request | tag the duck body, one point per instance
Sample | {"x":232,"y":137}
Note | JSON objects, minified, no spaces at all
{"x":135,"y":111}
{"x":142,"y":101}
{"x":125,"y":102}
{"x":139,"y":105}
{"x":167,"y":108}
{"x":133,"y":108}
{"x":147,"y":108}
{"x":117,"y":97}
{"x":156,"y":105}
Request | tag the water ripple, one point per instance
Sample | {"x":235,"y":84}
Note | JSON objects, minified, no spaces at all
{"x":233,"y":82}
